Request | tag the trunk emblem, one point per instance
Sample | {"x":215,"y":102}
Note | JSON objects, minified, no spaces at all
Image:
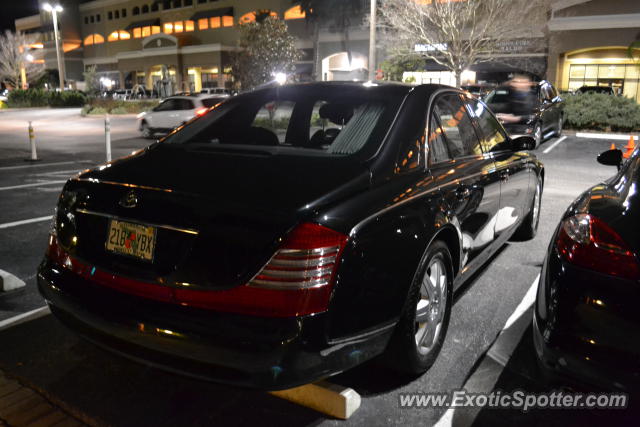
{"x":130,"y":200}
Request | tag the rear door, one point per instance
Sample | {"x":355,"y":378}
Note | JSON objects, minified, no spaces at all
{"x":186,"y":110}
{"x":511,"y":168}
{"x":464,"y":173}
{"x":160,"y":118}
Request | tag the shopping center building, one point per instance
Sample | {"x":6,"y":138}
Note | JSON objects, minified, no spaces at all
{"x":589,"y":45}
{"x":190,"y":42}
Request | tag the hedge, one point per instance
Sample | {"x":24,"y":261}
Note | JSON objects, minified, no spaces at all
{"x":45,"y":98}
{"x":112,"y":106}
{"x":598,"y":111}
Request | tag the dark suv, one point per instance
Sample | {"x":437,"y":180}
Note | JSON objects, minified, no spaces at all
{"x":545,"y":120}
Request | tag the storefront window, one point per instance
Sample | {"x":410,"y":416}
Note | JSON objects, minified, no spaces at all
{"x":623,"y":78}
{"x":215,"y":22}
{"x":188,"y":25}
{"x":203,"y":24}
{"x":168,"y":28}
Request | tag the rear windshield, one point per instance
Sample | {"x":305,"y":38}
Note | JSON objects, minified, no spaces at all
{"x":336,"y":120}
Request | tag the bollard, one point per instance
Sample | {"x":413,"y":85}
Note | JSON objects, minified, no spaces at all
{"x":107,"y":136}
{"x":32,"y":144}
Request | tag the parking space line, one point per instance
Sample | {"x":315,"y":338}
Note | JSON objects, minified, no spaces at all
{"x":36,"y":184}
{"x":40,"y":165}
{"x":26,"y":221}
{"x":492,"y":364}
{"x":24,"y":317}
{"x":554,"y":145}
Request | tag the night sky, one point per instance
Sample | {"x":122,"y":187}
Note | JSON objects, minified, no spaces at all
{"x":12,"y":9}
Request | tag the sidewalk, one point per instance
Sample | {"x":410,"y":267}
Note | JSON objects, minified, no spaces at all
{"x":23,"y":406}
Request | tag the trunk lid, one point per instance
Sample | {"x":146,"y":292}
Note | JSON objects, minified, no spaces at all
{"x":239,"y":203}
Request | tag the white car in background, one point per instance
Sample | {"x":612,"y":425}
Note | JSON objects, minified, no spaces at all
{"x":175,"y":111}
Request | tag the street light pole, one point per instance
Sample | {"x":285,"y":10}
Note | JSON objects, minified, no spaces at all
{"x":372,"y":41}
{"x":54,"y":12}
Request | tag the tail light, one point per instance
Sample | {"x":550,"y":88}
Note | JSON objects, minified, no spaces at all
{"x":296,"y":281}
{"x":201,"y":111}
{"x":588,"y":242}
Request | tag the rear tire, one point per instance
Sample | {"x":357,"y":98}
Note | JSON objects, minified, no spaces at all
{"x":537,"y":134}
{"x":559,"y":126}
{"x":420,"y":332}
{"x":529,"y":227}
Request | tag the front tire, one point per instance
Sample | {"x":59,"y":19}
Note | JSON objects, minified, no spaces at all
{"x":146,"y":131}
{"x":420,"y":332}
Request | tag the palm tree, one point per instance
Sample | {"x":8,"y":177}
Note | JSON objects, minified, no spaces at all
{"x":332,"y":13}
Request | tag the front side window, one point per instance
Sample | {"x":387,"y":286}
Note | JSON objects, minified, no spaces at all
{"x":456,"y":126}
{"x":338,"y":121}
{"x":493,"y":137}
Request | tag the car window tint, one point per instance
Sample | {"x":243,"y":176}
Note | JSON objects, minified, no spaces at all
{"x":457,"y":129}
{"x":437,"y":147}
{"x":168,"y":105}
{"x":493,"y":137}
{"x":185,"y":104}
{"x":275,"y":116}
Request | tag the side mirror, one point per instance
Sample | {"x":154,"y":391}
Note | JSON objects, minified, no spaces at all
{"x":611,"y":158}
{"x":524,"y":143}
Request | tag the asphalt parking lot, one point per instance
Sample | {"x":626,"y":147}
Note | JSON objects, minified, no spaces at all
{"x":105,"y":389}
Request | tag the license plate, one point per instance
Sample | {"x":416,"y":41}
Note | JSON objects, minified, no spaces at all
{"x":130,"y":239}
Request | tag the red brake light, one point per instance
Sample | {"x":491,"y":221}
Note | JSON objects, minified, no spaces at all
{"x":297,"y":281}
{"x":201,"y":111}
{"x":588,"y":242}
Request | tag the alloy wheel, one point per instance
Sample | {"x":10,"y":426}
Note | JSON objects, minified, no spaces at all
{"x":431,"y":306}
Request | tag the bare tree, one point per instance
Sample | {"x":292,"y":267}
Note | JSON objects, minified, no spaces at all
{"x":458,"y":33}
{"x":14,"y":56}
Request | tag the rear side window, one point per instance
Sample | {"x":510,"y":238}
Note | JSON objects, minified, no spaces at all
{"x":210,"y":102}
{"x":185,"y":104}
{"x":275,"y":116}
{"x":457,"y":130}
{"x":493,"y":137}
{"x":437,"y":146}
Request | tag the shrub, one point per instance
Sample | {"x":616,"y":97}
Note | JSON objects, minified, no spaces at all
{"x":97,"y":111}
{"x":44,"y":98}
{"x":122,"y":107}
{"x":602,"y":112}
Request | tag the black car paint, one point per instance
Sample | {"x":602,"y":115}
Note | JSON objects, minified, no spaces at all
{"x":585,"y":322}
{"x":391,"y":219}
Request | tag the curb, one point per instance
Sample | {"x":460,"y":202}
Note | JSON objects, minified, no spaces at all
{"x":9,"y":282}
{"x":611,"y":136}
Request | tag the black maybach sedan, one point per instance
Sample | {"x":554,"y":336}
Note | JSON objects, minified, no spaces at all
{"x":586,"y":317}
{"x":292,"y":233}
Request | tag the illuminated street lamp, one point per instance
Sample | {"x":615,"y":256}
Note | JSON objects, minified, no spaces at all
{"x":55,"y":9}
{"x":372,"y":41}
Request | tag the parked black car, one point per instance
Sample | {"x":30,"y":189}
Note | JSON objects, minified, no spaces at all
{"x":292,"y":233}
{"x":546,"y":118}
{"x":586,"y":319}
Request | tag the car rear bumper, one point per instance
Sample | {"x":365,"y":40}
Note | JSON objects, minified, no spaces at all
{"x":256,"y":352}
{"x":585,"y":328}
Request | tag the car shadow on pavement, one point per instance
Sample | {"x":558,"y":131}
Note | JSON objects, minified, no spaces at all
{"x":522,"y":372}
{"x":111,"y":390}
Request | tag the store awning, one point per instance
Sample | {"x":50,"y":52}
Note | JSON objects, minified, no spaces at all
{"x":144,"y":23}
{"x":223,"y":11}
